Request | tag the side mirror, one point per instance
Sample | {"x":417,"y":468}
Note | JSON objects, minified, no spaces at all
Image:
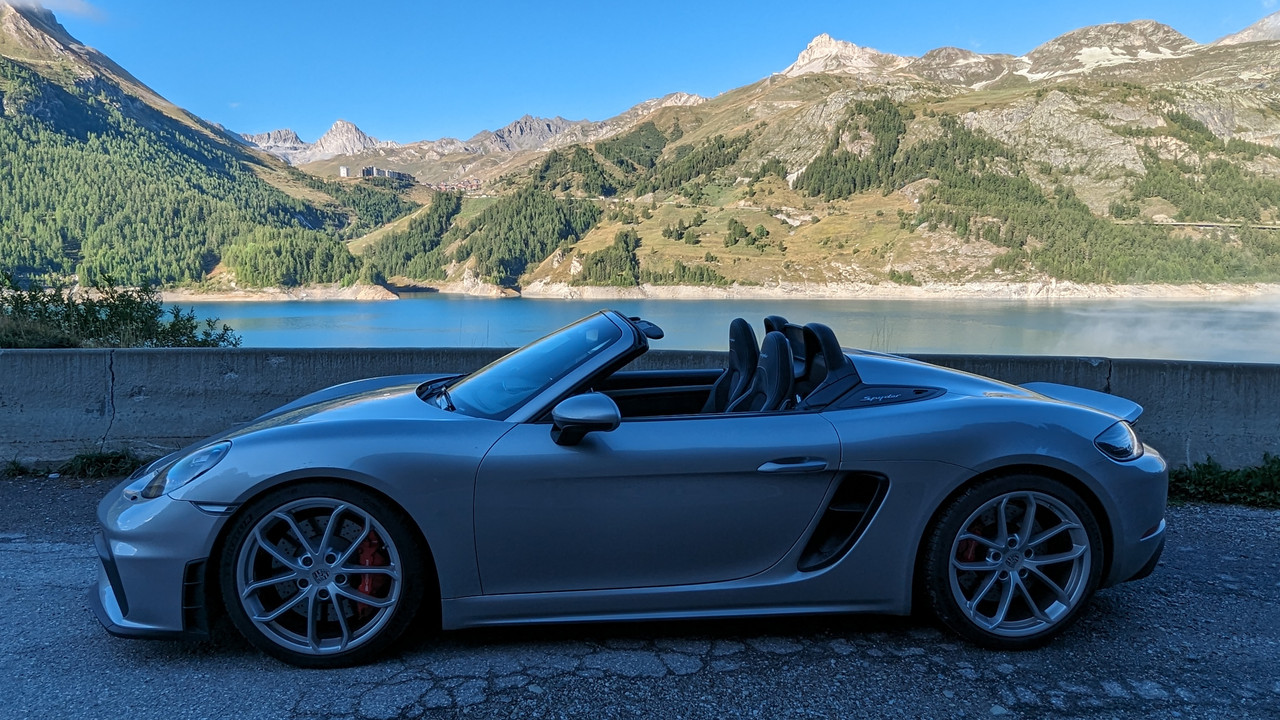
{"x":574,"y":417}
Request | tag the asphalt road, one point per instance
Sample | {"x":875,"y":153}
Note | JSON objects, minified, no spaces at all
{"x":1198,"y":639}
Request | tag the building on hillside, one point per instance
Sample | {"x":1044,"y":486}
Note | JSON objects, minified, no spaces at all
{"x":372,"y":171}
{"x":467,"y":185}
{"x":344,"y":171}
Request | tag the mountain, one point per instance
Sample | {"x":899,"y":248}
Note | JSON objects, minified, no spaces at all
{"x":1120,"y":153}
{"x":489,"y":154}
{"x":965,"y":68}
{"x":275,"y":138}
{"x":527,"y":133}
{"x":827,"y":55}
{"x":1075,"y":52}
{"x":1105,"y":45}
{"x":343,"y":138}
{"x":103,"y":177}
{"x":1268,"y":28}
{"x":281,"y":143}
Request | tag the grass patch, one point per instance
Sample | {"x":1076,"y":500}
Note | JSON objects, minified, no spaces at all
{"x":15,"y":469}
{"x":1210,"y":482}
{"x":96,"y":465}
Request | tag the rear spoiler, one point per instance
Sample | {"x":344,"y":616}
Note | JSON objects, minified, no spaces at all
{"x":1127,"y":410}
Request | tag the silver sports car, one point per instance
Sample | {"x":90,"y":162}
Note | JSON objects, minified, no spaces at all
{"x":555,"y":485}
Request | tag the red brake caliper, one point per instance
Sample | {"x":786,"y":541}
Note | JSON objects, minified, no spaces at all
{"x":968,"y":549}
{"x":371,"y":554}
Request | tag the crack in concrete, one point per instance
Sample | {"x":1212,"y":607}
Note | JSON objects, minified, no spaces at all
{"x":1110,"y":367}
{"x":111,"y":399}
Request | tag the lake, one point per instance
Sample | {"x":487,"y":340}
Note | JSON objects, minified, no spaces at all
{"x":1242,"y":330}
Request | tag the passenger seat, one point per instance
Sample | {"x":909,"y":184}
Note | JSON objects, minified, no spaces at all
{"x":744,"y":355}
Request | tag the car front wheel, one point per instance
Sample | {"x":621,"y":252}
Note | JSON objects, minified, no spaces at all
{"x":1012,"y":561}
{"x":321,"y":574}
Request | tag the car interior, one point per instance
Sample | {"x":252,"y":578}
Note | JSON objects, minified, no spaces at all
{"x":795,"y":367}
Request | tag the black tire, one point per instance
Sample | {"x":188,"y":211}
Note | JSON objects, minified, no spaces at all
{"x":1022,"y":594}
{"x":264,"y":596}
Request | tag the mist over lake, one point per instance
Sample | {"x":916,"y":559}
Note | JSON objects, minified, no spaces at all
{"x":1226,"y":330}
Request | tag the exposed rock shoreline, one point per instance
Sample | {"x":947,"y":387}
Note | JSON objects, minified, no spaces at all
{"x":929,"y":291}
{"x":309,"y":292}
{"x":1032,"y":291}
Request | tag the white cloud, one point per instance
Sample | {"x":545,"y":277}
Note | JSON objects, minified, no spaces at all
{"x":71,"y":7}
{"x":233,"y":105}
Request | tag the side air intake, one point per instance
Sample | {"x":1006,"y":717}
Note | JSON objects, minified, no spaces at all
{"x":846,"y":517}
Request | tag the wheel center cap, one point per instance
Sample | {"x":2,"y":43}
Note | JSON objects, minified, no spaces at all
{"x":320,"y":575}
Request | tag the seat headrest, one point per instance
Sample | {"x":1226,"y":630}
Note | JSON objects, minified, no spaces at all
{"x":774,"y":323}
{"x":744,"y":352}
{"x":776,"y":379}
{"x":829,"y":347}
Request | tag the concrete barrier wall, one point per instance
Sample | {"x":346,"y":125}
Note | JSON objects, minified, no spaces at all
{"x":56,"y":403}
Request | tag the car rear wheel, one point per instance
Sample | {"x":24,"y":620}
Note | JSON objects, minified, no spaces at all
{"x":321,"y":575}
{"x":1012,"y":561}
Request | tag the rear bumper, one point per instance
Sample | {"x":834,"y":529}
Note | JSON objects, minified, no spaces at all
{"x":1138,"y":497}
{"x":1150,"y":567}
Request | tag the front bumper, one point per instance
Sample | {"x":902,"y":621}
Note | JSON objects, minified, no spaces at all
{"x":151,"y":577}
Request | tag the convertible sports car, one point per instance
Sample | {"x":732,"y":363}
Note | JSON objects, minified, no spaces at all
{"x":555,"y":485}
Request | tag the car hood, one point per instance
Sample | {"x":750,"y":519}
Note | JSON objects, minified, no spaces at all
{"x":894,"y":370}
{"x":383,"y":398}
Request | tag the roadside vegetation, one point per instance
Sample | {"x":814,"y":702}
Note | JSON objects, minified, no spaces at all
{"x":101,"y":316}
{"x":88,"y":465}
{"x":97,"y":465}
{"x":1257,"y":486}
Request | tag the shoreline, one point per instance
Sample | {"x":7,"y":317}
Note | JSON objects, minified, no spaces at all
{"x":1028,"y":291}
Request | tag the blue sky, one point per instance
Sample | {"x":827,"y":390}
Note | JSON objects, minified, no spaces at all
{"x":411,"y":70}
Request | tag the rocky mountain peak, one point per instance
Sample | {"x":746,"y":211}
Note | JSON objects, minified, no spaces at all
{"x":344,"y":138}
{"x":825,"y":54}
{"x":1268,"y":28}
{"x":680,"y":99}
{"x":33,"y":31}
{"x":1104,"y":45}
{"x":527,"y":133}
{"x":957,"y":66}
{"x":284,"y":138}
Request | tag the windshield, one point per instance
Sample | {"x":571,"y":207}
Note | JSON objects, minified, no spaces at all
{"x":508,"y":382}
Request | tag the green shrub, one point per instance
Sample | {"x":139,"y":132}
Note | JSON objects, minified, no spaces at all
{"x":35,"y":316}
{"x":102,"y":464}
{"x":14,"y":468}
{"x":1210,"y":482}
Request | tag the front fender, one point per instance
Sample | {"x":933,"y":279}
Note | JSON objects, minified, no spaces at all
{"x":427,"y":468}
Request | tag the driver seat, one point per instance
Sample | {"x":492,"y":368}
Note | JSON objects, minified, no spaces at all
{"x":773,"y":387}
{"x":744,"y":355}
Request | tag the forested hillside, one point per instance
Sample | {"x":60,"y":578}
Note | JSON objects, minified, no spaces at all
{"x":697,"y":215}
{"x":98,"y":182}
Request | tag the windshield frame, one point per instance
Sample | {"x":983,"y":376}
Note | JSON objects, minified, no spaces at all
{"x":629,"y":340}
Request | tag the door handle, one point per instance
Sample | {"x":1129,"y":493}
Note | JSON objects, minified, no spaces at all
{"x":793,"y":465}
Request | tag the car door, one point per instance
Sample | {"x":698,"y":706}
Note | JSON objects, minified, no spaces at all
{"x":657,"y":501}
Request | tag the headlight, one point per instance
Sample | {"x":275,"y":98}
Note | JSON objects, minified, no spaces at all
{"x":1119,"y":442}
{"x":185,"y":470}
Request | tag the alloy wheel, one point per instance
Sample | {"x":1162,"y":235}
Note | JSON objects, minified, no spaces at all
{"x":1019,"y":564}
{"x":319,"y":576}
